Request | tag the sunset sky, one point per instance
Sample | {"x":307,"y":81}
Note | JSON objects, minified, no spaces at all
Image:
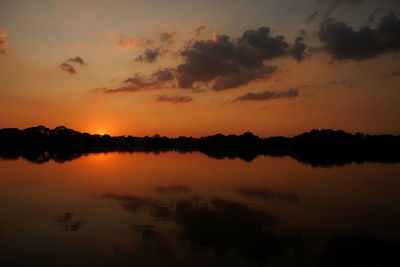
{"x":195,"y":68}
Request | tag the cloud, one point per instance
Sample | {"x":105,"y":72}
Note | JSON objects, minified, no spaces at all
{"x":135,"y":43}
{"x":196,"y":34}
{"x":219,"y":63}
{"x":77,"y":59}
{"x":135,"y":84}
{"x":138,"y":83}
{"x":244,"y":76}
{"x":164,"y":40}
{"x":371,"y":18}
{"x":342,"y":42}
{"x":67,"y":67}
{"x":312,"y":17}
{"x":267,"y":95}
{"x":3,"y":34}
{"x":175,"y":99}
{"x":163,"y":75}
{"x":167,"y":37}
{"x":131,"y":43}
{"x":149,"y":55}
{"x":298,"y":49}
{"x":230,"y":63}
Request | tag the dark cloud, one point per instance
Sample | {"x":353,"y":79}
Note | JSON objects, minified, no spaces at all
{"x":134,"y":84}
{"x":174,"y":99}
{"x":137,"y":83}
{"x":125,"y":42}
{"x":266,"y":46}
{"x":267,"y":95}
{"x":164,"y":75}
{"x":149,"y":55}
{"x":244,"y":76}
{"x":312,"y":17}
{"x":219,"y":63}
{"x":298,"y":49}
{"x":342,"y":42}
{"x":77,"y":59}
{"x":67,"y":67}
{"x":231,"y":63}
{"x":371,"y":18}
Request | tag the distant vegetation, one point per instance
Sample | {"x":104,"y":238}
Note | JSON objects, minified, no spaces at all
{"x":317,"y":147}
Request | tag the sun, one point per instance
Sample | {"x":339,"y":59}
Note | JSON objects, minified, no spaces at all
{"x":99,"y":130}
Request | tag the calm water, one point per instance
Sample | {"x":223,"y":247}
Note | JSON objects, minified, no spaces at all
{"x":176,"y":209}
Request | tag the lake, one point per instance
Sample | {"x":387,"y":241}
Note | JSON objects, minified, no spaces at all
{"x":188,"y":209}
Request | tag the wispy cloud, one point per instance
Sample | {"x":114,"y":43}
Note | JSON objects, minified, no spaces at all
{"x":268,"y":95}
{"x":125,"y":42}
{"x":138,"y":83}
{"x":196,"y":33}
{"x":312,"y":17}
{"x":77,"y":59}
{"x":175,"y":99}
{"x":3,"y":34}
{"x":67,"y":67}
{"x":149,"y":55}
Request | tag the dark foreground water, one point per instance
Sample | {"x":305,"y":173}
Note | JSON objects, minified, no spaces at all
{"x":173,"y":209}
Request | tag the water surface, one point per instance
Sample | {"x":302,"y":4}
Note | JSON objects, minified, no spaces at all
{"x":172,"y":209}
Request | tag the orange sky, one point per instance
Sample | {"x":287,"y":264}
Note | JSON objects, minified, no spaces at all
{"x":84,"y":66}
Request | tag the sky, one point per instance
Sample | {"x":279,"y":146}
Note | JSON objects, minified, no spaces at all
{"x":196,"y":68}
